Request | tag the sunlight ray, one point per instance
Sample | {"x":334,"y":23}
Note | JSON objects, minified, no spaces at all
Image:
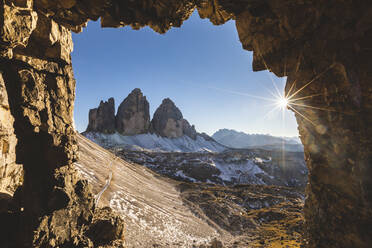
{"x":240,"y":93}
{"x":305,"y":97}
{"x":290,"y":89}
{"x":267,"y":68}
{"x":302,"y":115}
{"x":319,"y":108}
{"x":271,"y":111}
{"x":311,"y":81}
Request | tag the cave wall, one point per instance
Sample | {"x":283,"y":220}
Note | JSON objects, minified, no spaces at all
{"x":53,"y":207}
{"x":323,"y":47}
{"x":324,"y":50}
{"x":11,"y":174}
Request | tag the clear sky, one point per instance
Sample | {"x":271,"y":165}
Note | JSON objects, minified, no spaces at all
{"x":201,"y":67}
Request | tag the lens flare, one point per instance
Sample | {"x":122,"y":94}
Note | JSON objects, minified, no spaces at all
{"x":282,"y":102}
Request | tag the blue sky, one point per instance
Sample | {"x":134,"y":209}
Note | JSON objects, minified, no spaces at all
{"x":201,"y":67}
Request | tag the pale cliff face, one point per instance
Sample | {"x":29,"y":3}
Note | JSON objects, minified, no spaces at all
{"x":173,"y":128}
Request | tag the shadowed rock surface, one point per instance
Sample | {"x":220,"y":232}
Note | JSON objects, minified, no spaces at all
{"x":133,"y":116}
{"x":324,"y":49}
{"x":102,"y":119}
{"x":168,"y":122}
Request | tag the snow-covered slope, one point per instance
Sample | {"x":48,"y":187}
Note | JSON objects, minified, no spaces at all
{"x":153,"y":142}
{"x":160,"y":212}
{"x":151,"y":206}
{"x":237,"y":139}
{"x":230,"y":167}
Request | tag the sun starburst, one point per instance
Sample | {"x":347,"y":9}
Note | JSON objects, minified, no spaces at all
{"x":282,"y":102}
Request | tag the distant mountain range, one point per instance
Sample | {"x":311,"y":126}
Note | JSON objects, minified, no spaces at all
{"x":235,"y":139}
{"x":132,"y":128}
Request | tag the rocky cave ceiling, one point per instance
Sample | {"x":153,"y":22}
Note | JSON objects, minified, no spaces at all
{"x":324,"y":47}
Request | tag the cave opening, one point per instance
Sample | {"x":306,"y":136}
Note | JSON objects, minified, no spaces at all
{"x":200,"y":66}
{"x":323,"y":48}
{"x":207,"y":74}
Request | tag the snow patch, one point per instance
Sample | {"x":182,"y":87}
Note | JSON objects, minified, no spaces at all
{"x":153,"y":142}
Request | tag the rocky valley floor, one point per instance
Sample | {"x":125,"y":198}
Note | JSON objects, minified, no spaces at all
{"x":162,"y":212}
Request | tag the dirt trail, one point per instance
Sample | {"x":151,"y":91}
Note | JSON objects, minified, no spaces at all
{"x":108,"y":182}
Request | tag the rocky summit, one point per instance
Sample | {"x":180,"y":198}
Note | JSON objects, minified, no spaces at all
{"x":133,"y":118}
{"x":102,"y":119}
{"x":168,"y":121}
{"x":133,"y":115}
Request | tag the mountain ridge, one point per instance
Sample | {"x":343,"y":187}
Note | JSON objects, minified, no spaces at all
{"x":236,"y":139}
{"x":133,"y":118}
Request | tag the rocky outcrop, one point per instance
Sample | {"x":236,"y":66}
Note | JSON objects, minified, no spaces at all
{"x":168,"y":122}
{"x":11,"y":174}
{"x":102,"y":119}
{"x":322,"y":47}
{"x":53,"y":207}
{"x":106,"y":229}
{"x":189,"y":130}
{"x":133,"y":116}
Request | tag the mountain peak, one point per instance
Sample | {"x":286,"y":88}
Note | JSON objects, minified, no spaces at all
{"x":102,"y":119}
{"x":133,"y":116}
{"x":136,"y":91}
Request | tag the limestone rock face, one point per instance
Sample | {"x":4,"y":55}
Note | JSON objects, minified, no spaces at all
{"x":168,"y":122}
{"x":102,"y":119}
{"x":51,"y":206}
{"x":188,"y":130}
{"x":133,"y":116}
{"x":11,"y":173}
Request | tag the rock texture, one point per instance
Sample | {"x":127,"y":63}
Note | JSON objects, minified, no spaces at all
{"x":102,"y":119}
{"x":52,"y":207}
{"x":188,"y":129}
{"x":11,"y":174}
{"x":133,"y":116}
{"x":168,"y":121}
{"x":322,"y":47}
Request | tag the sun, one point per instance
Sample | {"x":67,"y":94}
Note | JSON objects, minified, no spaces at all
{"x":282,"y":102}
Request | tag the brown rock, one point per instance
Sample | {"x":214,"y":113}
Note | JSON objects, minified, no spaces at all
{"x":102,"y":119}
{"x":133,"y":116}
{"x":168,"y":122}
{"x":188,"y":129}
{"x":106,"y":227}
{"x":11,"y":173}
